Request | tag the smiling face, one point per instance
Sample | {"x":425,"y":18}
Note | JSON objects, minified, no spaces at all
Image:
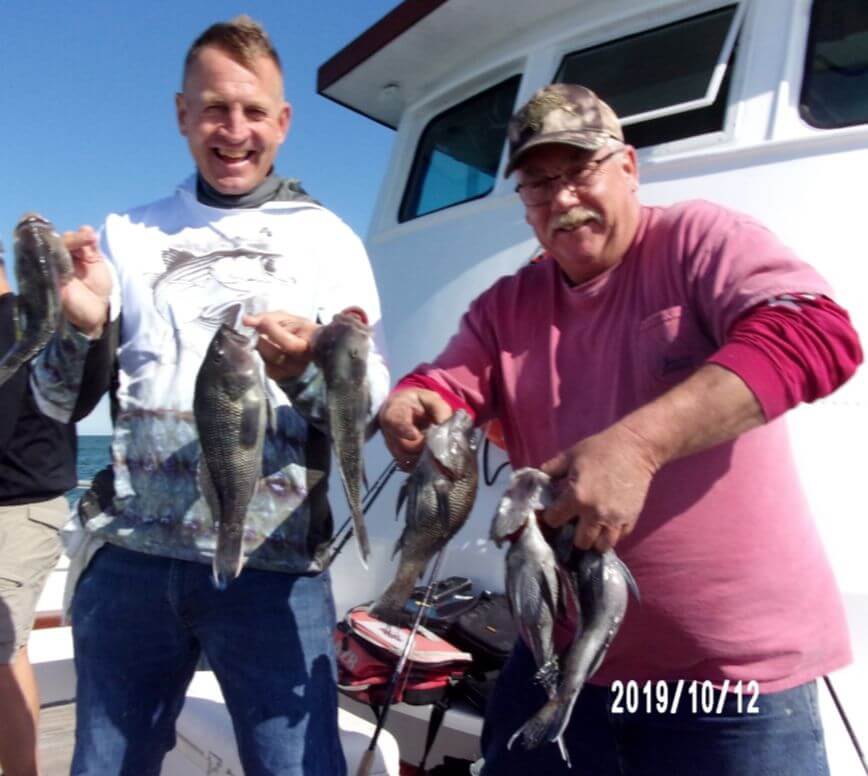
{"x":587,"y":229}
{"x":234,"y":118}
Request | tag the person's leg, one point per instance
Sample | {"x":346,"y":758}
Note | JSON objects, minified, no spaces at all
{"x":19,"y":715}
{"x":785,"y":737}
{"x":30,"y":550}
{"x":516,"y":698}
{"x":134,"y":657}
{"x":269,"y":639}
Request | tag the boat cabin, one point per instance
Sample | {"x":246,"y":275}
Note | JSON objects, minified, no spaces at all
{"x":760,"y":105}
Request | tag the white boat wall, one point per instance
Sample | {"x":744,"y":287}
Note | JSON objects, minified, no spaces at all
{"x":758,"y":105}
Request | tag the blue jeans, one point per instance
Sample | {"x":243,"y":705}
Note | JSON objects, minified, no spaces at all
{"x":784,"y":739}
{"x":139,"y":625}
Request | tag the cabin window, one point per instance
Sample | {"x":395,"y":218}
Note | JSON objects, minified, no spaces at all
{"x":666,"y":83}
{"x":459,"y":152}
{"x":835,"y":87}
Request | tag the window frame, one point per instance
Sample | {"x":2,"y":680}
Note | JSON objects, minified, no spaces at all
{"x":414,"y":182}
{"x":807,"y":73}
{"x":716,"y":78}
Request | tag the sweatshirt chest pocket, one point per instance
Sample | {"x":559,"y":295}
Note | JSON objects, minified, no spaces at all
{"x":671,"y":346}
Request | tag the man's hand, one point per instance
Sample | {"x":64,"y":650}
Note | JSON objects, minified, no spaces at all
{"x":85,"y":298}
{"x":285,"y":342}
{"x":604,"y":482}
{"x":405,"y":414}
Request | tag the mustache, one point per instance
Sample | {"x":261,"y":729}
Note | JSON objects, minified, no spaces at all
{"x":574,"y":217}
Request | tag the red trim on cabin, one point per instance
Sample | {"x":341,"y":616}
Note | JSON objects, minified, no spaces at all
{"x":52,"y":619}
{"x":392,"y":25}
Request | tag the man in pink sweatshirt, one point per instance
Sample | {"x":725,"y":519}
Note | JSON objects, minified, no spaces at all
{"x":644,"y":364}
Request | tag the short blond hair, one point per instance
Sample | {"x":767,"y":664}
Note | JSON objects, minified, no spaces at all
{"x":242,"y":38}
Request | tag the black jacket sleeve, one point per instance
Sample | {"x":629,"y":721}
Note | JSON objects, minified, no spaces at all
{"x":98,"y":370}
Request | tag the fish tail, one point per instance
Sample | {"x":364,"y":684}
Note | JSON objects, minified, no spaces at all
{"x":547,"y":724}
{"x":228,"y":561}
{"x":389,"y":607}
{"x":352,"y":490}
{"x":565,"y":755}
{"x":629,"y":579}
{"x":363,"y":544}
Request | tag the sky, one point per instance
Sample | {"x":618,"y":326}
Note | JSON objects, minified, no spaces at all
{"x":87,"y":108}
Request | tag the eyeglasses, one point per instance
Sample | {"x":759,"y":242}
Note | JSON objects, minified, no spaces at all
{"x":540,"y":191}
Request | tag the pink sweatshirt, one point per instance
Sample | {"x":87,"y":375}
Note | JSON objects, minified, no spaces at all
{"x":734,"y":580}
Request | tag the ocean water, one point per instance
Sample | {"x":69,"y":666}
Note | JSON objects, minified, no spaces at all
{"x":93,"y":455}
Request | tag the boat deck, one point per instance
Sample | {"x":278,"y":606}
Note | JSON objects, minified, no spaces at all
{"x":56,"y":738}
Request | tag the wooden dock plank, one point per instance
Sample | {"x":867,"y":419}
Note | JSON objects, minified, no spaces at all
{"x":56,"y":739}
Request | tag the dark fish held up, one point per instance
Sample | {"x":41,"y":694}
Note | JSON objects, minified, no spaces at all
{"x":538,"y":590}
{"x":439,"y":494}
{"x":230,"y":410}
{"x":340,"y":350}
{"x":42,"y":267}
{"x":601,"y":583}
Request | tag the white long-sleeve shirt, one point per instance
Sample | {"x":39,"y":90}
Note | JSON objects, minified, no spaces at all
{"x":181,"y":269}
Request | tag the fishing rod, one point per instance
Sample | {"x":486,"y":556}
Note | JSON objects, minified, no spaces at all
{"x":368,"y":501}
{"x":846,"y":722}
{"x":367,"y":760}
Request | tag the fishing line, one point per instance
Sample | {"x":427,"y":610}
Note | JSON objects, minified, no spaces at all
{"x":845,"y":719}
{"x":490,"y":478}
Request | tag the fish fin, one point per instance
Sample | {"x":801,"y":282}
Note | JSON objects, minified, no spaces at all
{"x":271,"y":415}
{"x":252,"y":424}
{"x":228,"y":562}
{"x":363,"y":543}
{"x":548,"y":724}
{"x":535,"y":731}
{"x":565,"y":755}
{"x":206,"y":488}
{"x":19,"y":318}
{"x":546,"y":498}
{"x":313,"y":477}
{"x":402,"y":497}
{"x":399,"y":544}
{"x":567,"y":598}
{"x":442,"y":491}
{"x":373,"y":425}
{"x":629,"y":579}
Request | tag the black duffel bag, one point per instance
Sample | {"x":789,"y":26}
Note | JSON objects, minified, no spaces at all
{"x":486,"y":631}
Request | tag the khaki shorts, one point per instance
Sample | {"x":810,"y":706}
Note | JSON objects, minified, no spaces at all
{"x":29,"y":550}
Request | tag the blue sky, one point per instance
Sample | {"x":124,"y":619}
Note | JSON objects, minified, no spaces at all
{"x":87,"y":111}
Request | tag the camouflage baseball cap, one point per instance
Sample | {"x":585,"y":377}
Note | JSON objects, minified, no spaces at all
{"x":567,"y":114}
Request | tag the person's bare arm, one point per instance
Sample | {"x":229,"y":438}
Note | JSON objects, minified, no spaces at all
{"x":607,"y":475}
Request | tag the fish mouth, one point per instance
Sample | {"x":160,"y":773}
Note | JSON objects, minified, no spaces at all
{"x":32,"y":218}
{"x":233,"y":336}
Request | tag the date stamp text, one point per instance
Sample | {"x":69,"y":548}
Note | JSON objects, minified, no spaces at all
{"x":697,"y":697}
